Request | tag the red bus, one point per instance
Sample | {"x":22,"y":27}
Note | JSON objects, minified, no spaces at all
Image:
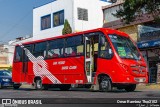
{"x":98,"y":59}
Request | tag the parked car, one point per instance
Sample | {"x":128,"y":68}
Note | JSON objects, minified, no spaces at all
{"x":5,"y":78}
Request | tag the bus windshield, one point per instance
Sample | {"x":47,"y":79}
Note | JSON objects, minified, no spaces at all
{"x":125,"y":47}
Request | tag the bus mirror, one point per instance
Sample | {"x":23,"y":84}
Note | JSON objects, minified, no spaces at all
{"x":102,"y":41}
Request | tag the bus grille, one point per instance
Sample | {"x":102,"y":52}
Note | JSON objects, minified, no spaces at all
{"x":138,"y":69}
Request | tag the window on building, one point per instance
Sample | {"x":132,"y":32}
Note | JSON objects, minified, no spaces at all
{"x":56,"y":48}
{"x":40,"y":49}
{"x":58,"y":18}
{"x":46,"y":22}
{"x":74,"y":46}
{"x":82,"y":14}
{"x":108,"y":13}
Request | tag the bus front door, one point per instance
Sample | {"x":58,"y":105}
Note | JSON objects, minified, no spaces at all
{"x":88,"y":59}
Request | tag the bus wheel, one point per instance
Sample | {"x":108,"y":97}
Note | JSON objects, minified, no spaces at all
{"x":105,"y":84}
{"x":65,"y":87}
{"x":38,"y":84}
{"x":16,"y":86}
{"x":130,"y":88}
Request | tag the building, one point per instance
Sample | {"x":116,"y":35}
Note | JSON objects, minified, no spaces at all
{"x":4,"y":62}
{"x":48,"y":19}
{"x":149,"y":45}
{"x":144,"y":31}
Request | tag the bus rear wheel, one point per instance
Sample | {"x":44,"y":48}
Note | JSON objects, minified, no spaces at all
{"x":65,"y":87}
{"x":105,"y":84}
{"x":130,"y":88}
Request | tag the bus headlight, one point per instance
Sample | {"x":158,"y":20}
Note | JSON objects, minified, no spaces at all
{"x":140,"y":79}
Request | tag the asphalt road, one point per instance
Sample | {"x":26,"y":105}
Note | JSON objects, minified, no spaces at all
{"x":76,"y":93}
{"x":79,"y":97}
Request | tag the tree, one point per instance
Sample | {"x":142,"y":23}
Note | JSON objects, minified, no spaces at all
{"x":67,"y":28}
{"x":136,"y":8}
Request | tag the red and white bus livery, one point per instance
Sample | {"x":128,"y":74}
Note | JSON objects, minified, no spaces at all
{"x":100,"y":58}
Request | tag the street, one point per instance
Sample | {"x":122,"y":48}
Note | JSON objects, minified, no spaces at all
{"x":76,"y":93}
{"x":80,"y":96}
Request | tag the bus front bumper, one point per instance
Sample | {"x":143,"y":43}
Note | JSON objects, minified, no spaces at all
{"x":129,"y":79}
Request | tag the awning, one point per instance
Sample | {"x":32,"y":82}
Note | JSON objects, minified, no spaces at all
{"x":148,"y":44}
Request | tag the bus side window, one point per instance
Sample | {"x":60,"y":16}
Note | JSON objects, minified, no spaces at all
{"x":105,"y":49}
{"x":80,"y":50}
{"x":74,"y":46}
{"x":40,"y":49}
{"x":18,"y":54}
{"x":55,"y":49}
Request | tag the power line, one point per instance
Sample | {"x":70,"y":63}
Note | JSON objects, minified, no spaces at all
{"x":14,"y":26}
{"x":17,"y":23}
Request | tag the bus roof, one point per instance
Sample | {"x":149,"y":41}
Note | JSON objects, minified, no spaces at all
{"x":107,"y":30}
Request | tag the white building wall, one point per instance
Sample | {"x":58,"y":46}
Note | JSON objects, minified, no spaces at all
{"x":51,"y":8}
{"x":95,"y":16}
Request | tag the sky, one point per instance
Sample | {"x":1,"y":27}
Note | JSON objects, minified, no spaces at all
{"x":16,"y":18}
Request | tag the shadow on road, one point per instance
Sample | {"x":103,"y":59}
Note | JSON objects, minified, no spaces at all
{"x":153,"y":95}
{"x":76,"y":90}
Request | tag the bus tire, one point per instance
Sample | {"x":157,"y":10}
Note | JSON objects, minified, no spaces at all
{"x":105,"y":84}
{"x":130,"y":88}
{"x":38,"y":84}
{"x":65,"y":87}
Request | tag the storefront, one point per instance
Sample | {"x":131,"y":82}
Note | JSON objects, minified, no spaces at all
{"x":149,"y":45}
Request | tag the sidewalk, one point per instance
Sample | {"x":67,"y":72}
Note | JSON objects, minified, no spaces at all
{"x":29,"y":86}
{"x":152,"y":87}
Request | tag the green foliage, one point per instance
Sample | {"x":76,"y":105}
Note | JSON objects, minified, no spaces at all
{"x":135,"y":8}
{"x":10,"y":69}
{"x":67,"y":28}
